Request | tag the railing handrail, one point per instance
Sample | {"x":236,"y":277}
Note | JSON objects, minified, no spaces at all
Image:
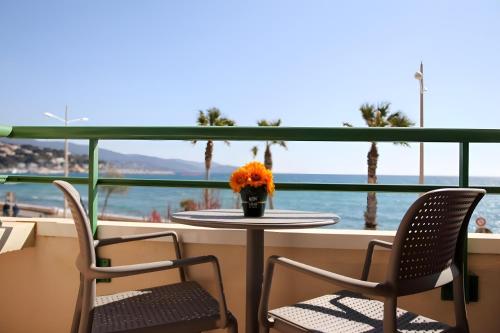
{"x":242,"y":133}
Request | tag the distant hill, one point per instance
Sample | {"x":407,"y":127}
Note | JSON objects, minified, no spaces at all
{"x":129,"y":161}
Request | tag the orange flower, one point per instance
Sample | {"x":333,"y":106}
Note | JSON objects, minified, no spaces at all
{"x":257,"y":172}
{"x":269,"y":182}
{"x":239,"y":179}
{"x":252,"y":174}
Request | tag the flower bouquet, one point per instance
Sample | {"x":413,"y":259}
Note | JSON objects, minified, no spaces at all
{"x":254,"y":182}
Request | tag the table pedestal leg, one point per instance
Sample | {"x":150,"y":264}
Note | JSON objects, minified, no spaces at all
{"x":254,"y":276}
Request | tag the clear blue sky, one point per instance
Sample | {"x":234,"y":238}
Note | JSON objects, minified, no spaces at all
{"x":310,"y":63}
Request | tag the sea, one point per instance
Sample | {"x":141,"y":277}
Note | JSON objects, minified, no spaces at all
{"x":350,"y":206}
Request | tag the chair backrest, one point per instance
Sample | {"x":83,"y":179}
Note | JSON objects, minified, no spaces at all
{"x":86,"y":257}
{"x":429,"y":244}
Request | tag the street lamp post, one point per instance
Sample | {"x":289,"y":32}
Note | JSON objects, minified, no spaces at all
{"x":420,"y":77}
{"x":66,"y":145}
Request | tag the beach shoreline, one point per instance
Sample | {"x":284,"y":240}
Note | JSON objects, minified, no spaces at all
{"x":30,"y":210}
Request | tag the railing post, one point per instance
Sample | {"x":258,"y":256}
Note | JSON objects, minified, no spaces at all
{"x":471,"y":281}
{"x":463,"y":173}
{"x":93,"y":177}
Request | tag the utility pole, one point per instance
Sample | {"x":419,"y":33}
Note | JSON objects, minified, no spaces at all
{"x":66,"y":153}
{"x":420,"y":77}
{"x":66,"y":144}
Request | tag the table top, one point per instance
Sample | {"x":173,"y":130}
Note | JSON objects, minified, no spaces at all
{"x":272,"y":219}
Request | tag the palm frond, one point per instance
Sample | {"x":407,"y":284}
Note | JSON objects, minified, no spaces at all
{"x":224,"y":122}
{"x":202,"y":120}
{"x":383,"y":108}
{"x":276,"y":122}
{"x":398,"y":119}
{"x":380,"y":116}
{"x":279,"y":143}
{"x":368,"y":113}
{"x":265,"y":122}
{"x":213,"y":115}
{"x":380,"y":120}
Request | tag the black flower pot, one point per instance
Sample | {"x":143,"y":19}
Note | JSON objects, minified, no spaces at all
{"x":253,"y":200}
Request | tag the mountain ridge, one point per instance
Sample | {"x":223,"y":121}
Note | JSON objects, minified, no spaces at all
{"x":129,"y":161}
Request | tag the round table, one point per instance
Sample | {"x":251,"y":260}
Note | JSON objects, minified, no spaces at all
{"x":255,"y":226}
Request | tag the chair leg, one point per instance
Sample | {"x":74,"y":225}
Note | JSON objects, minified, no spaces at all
{"x":462,"y":324}
{"x":78,"y":308}
{"x":390,"y":323}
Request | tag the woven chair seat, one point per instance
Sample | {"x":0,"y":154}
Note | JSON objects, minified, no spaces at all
{"x":349,"y":312}
{"x":177,"y":305}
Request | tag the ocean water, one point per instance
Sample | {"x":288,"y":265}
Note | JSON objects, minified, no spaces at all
{"x":350,"y":206}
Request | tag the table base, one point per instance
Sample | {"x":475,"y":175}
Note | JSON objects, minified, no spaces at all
{"x":254,"y":277}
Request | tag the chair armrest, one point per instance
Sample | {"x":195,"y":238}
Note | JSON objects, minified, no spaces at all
{"x":128,"y":270}
{"x":369,"y":254}
{"x":372,"y":288}
{"x":130,"y":238}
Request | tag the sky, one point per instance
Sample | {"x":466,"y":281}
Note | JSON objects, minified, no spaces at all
{"x":309,"y":63}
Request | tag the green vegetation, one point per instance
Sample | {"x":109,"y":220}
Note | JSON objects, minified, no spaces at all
{"x":211,"y":117}
{"x":378,"y":116}
{"x":268,"y":156}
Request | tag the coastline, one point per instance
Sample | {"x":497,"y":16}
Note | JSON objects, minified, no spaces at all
{"x":52,"y":171}
{"x":29,"y":210}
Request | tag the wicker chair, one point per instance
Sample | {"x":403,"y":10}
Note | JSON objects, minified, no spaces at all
{"x":178,"y":307}
{"x":427,"y":253}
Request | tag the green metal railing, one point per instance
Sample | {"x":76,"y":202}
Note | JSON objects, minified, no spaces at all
{"x":463,"y":137}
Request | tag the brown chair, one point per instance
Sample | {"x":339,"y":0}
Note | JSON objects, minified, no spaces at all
{"x":178,"y":307}
{"x":427,"y":253}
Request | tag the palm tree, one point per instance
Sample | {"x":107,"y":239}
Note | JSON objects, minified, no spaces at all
{"x":268,"y":157}
{"x":378,"y":116}
{"x":211,"y":117}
